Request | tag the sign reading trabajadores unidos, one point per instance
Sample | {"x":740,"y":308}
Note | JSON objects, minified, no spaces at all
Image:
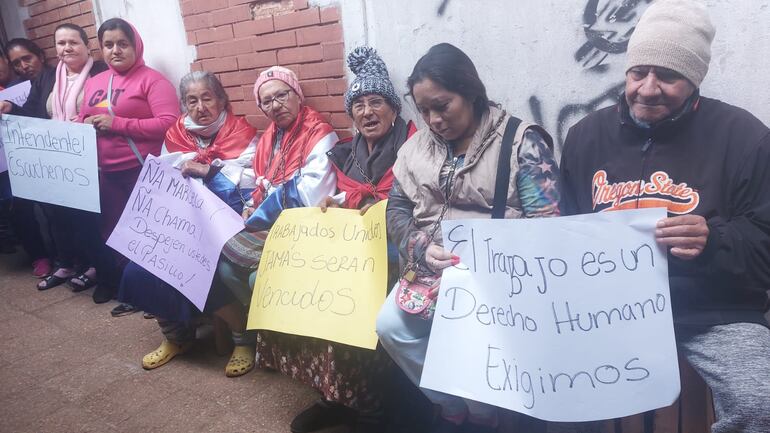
{"x":323,"y":275}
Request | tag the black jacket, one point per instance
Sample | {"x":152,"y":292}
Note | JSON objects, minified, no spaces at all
{"x":41,"y":87}
{"x":713,"y":161}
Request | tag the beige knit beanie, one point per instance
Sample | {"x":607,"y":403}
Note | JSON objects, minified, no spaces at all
{"x":673,"y":34}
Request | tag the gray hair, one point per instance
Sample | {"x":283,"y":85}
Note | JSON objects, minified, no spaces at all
{"x":210,"y":80}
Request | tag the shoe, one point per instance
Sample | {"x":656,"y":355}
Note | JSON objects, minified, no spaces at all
{"x":41,"y":268}
{"x":81,"y":283}
{"x":370,"y":422}
{"x":123,"y":310}
{"x":51,"y":281}
{"x":443,"y":425}
{"x":7,"y":248}
{"x":148,"y":315}
{"x":321,"y":415}
{"x":163,"y":354}
{"x":241,"y":361}
{"x":470,"y":427}
{"x":102,"y":294}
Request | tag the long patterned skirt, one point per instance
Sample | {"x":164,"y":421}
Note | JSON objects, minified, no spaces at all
{"x":352,"y":376}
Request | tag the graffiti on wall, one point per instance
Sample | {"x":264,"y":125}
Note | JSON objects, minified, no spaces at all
{"x":607,"y":26}
{"x":442,"y":7}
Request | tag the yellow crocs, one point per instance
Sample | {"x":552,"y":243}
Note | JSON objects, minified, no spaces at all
{"x":163,"y":354}
{"x":241,"y":361}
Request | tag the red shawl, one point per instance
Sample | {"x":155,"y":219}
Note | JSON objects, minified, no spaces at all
{"x":298,"y":141}
{"x":231,"y":140}
{"x":356,"y":192}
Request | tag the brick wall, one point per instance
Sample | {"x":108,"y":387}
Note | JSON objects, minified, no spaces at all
{"x":45,"y":15}
{"x":238,"y":39}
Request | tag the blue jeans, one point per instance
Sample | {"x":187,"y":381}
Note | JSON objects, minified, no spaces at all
{"x":405,"y":337}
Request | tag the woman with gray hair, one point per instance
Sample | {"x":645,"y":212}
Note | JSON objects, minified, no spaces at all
{"x":209,"y":143}
{"x":350,"y":381}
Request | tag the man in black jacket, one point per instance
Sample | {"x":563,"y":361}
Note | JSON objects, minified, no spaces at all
{"x":708,"y":162}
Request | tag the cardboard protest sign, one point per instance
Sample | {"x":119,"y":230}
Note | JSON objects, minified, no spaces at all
{"x":323,"y":275}
{"x":175,"y":228}
{"x":51,"y":161}
{"x":563,"y":319}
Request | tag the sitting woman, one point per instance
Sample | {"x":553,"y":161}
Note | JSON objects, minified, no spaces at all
{"x":349,"y":379}
{"x":58,"y":94}
{"x":448,"y":172}
{"x":211,"y":144}
{"x":292,"y":170}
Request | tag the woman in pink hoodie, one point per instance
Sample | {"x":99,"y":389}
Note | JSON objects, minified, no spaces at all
{"x":131,"y":106}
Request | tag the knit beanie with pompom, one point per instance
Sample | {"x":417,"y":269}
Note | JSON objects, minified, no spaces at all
{"x":371,"y":78}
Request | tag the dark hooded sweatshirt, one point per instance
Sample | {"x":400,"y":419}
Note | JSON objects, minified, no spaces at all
{"x":713,"y":161}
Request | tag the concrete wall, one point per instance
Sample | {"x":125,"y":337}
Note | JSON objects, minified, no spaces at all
{"x":159,"y":22}
{"x":13,"y":18}
{"x":536,"y":58}
{"x":551,"y":61}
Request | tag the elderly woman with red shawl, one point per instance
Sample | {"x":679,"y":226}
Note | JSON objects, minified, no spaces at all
{"x":292,"y":170}
{"x":349,"y":380}
{"x":364,"y":163}
{"x":211,"y":144}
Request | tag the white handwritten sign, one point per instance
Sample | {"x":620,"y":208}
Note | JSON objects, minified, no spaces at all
{"x":563,"y":319}
{"x":3,"y":161}
{"x":51,"y":161}
{"x":175,"y":228}
{"x":17,"y":94}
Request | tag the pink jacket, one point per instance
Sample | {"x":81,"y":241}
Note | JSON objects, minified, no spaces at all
{"x":145,"y":105}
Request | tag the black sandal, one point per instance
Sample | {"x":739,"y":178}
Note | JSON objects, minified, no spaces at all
{"x":87,"y":281}
{"x":123,"y":310}
{"x":51,"y":281}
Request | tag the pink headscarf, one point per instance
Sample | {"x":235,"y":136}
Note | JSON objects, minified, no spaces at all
{"x":138,"y":49}
{"x":65,"y":100}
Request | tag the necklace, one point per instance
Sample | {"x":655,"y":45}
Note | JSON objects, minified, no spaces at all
{"x":361,"y":169}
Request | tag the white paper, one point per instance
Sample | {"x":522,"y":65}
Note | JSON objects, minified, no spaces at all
{"x":3,"y":161}
{"x":175,"y":228}
{"x":51,"y":161}
{"x":495,"y":336}
{"x":17,"y":94}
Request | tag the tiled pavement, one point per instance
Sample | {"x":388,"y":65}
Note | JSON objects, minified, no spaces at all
{"x":67,"y":366}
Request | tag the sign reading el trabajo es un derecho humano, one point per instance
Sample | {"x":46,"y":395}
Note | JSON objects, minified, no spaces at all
{"x":323,"y":275}
{"x":51,"y":161}
{"x":174,"y":227}
{"x":564,"y":319}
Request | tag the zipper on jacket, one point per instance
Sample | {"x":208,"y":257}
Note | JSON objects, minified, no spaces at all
{"x":645,"y":148}
{"x":450,"y":179}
